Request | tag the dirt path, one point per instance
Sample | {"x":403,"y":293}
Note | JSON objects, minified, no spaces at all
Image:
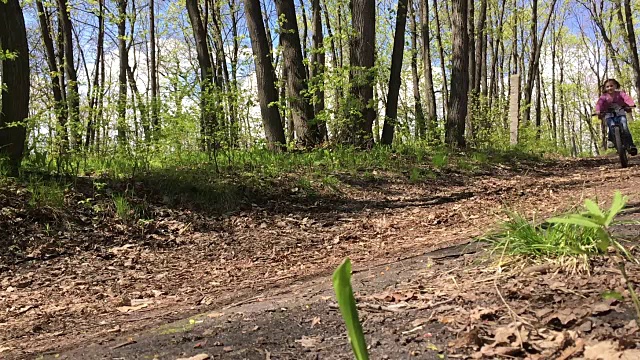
{"x":277,"y":255}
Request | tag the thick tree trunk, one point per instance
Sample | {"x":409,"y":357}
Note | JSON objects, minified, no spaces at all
{"x":297,"y":84}
{"x":430,"y":96}
{"x":458,"y":100}
{"x":391,"y":112}
{"x":14,"y":108}
{"x":73,"y":95}
{"x":361,"y":74}
{"x":59,"y":105}
{"x":265,"y":76}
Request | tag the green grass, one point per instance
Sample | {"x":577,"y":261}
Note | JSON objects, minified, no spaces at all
{"x":124,"y":210}
{"x":45,"y":193}
{"x":520,"y":237}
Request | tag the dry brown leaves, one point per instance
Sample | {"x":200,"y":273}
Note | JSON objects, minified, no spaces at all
{"x":184,"y":261}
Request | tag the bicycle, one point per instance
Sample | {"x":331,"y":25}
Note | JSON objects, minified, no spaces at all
{"x":621,"y":147}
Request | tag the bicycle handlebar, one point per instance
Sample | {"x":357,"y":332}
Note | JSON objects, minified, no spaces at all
{"x":609,"y":111}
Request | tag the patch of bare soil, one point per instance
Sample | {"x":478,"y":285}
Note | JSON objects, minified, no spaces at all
{"x":126,"y":283}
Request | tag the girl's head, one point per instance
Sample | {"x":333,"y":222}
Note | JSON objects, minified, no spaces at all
{"x":610,"y":85}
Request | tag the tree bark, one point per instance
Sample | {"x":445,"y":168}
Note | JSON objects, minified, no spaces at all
{"x":122,"y":74}
{"x":361,"y":74}
{"x":265,"y":76}
{"x":481,"y":47}
{"x":297,"y":84}
{"x":458,"y":100}
{"x":15,"y":76}
{"x":59,"y":105}
{"x":430,"y":96}
{"x":208,"y":125}
{"x":445,"y":89}
{"x":73,"y":95}
{"x":317,"y":68}
{"x":536,"y":45}
{"x":391,"y":112}
{"x":417,"y":102}
{"x":633,"y":47}
{"x":90,"y":136}
{"x":153,"y":72}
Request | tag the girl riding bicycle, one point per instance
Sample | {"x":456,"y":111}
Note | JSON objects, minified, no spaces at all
{"x":613,"y":105}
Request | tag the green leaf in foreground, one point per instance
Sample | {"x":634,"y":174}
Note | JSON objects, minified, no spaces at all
{"x":347,"y":304}
{"x":610,"y":295}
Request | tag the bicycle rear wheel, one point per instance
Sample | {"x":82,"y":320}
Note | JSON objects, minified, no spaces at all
{"x":622,"y":151}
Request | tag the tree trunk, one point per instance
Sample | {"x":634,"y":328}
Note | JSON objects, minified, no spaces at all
{"x":97,"y":86}
{"x":73,"y":95}
{"x":122,"y":77}
{"x":420,"y":122}
{"x":391,"y":112}
{"x":304,"y":35}
{"x":15,"y":76}
{"x":481,"y":47}
{"x":472,"y":43}
{"x":633,"y":47}
{"x":445,"y":89}
{"x":233,"y":107}
{"x":297,"y":84}
{"x":430,"y":96}
{"x":208,"y":125}
{"x":536,"y":45}
{"x":58,"y":106}
{"x":458,"y":100}
{"x":153,"y":72}
{"x":317,"y":68}
{"x":265,"y":76}
{"x":361,"y":74}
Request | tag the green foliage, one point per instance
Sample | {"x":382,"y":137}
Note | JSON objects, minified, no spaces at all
{"x":348,"y":309}
{"x":519,"y":237}
{"x":440,"y":160}
{"x":45,"y":193}
{"x":124,"y":210}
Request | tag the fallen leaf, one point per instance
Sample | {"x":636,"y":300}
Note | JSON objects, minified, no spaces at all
{"x":419,"y":322}
{"x":569,"y":352}
{"x":5,"y":348}
{"x":215,"y":315}
{"x":315,"y":321}
{"x":601,"y":308}
{"x":197,"y":357}
{"x":126,"y":309}
{"x":227,"y":349}
{"x":562,"y":318}
{"x":309,"y":341}
{"x":603,"y":350}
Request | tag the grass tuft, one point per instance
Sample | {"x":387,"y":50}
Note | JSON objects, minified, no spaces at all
{"x":520,"y":237}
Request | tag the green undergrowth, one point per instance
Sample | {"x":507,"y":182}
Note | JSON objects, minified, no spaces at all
{"x":231,"y":178}
{"x":575,"y":235}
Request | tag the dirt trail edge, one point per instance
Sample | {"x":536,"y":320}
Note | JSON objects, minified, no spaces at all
{"x":261,"y":281}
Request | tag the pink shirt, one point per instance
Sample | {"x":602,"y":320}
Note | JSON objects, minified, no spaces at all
{"x":619,"y":98}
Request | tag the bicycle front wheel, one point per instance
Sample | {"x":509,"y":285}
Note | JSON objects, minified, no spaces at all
{"x":622,"y":151}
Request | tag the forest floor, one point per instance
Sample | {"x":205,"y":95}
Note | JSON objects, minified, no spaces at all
{"x":78,"y":283}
